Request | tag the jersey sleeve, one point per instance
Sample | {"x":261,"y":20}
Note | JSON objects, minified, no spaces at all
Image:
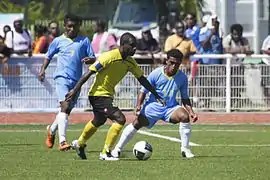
{"x":151,"y":79}
{"x":134,"y":68}
{"x":89,"y":50}
{"x":101,"y":63}
{"x":184,"y":88}
{"x":53,"y":49}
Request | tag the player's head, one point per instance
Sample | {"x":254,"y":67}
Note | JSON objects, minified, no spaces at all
{"x":128,"y":44}
{"x":99,"y":26}
{"x":236,"y":32}
{"x":174,"y":59}
{"x":40,"y":30}
{"x":53,"y":28}
{"x":180,"y":28}
{"x":72,"y":25}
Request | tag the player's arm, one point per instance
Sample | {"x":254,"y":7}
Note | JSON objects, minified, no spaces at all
{"x":90,"y":55}
{"x":79,"y":84}
{"x":52,"y":50}
{"x":186,"y":101}
{"x":94,"y":68}
{"x":146,"y":84}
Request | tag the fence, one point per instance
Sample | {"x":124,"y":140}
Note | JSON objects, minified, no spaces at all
{"x":223,"y":87}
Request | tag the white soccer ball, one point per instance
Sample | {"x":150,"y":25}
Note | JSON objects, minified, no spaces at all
{"x":142,"y":150}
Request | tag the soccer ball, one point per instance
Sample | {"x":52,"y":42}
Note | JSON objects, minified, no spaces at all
{"x":142,"y":150}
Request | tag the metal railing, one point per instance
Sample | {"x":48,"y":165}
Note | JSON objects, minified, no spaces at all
{"x":224,"y":87}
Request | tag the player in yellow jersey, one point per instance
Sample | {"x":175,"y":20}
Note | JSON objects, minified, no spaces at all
{"x":110,"y":68}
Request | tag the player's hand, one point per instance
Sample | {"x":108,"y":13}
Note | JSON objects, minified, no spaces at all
{"x":161,"y":101}
{"x":41,"y":76}
{"x":194,"y":117}
{"x":88,"y":60}
{"x":70,"y":95}
{"x":137,"y":110}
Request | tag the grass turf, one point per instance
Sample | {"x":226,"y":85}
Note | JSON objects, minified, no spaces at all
{"x":24,"y":156}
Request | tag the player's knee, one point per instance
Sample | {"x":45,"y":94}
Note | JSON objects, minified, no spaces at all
{"x":184,"y":117}
{"x":98,"y":121}
{"x":65,"y":107}
{"x":119,"y":117}
{"x":140,"y":122}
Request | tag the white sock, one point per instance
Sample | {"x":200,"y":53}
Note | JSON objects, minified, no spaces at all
{"x":185,"y":131}
{"x":126,"y":136}
{"x":54,"y":125}
{"x":62,"y":120}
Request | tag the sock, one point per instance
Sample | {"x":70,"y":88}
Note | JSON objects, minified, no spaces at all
{"x":112,"y":135}
{"x":62,"y":120}
{"x":185,"y":131}
{"x":88,"y":131}
{"x":126,"y":136}
{"x":54,"y":125}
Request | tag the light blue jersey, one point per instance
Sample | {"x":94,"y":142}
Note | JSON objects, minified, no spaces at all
{"x":167,"y":88}
{"x":70,"y":54}
{"x":69,"y":63}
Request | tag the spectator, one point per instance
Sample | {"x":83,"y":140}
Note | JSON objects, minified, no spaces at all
{"x":53,"y":31}
{"x":19,"y":41}
{"x":266,"y":49}
{"x":147,"y":44}
{"x":193,"y":29}
{"x":6,"y":29}
{"x":180,"y":42}
{"x":102,"y":40}
{"x":235,"y":43}
{"x":211,"y":42}
{"x":41,"y":44}
{"x":4,"y":55}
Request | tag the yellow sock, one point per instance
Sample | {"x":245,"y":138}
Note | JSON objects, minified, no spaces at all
{"x":88,"y":131}
{"x":112,"y":135}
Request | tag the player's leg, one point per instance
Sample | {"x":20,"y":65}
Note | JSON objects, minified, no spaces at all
{"x":176,"y":115}
{"x":148,"y":116}
{"x":119,"y":120}
{"x":128,"y":133}
{"x":92,"y":126}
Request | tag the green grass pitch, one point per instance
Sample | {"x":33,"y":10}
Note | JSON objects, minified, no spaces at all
{"x":226,"y":152}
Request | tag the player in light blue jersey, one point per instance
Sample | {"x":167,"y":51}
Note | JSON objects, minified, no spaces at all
{"x":73,"y":51}
{"x":168,"y":80}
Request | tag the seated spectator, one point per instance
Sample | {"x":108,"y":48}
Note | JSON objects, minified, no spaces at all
{"x":211,"y":43}
{"x":266,"y":49}
{"x":19,"y":41}
{"x":41,"y":44}
{"x":102,"y":40}
{"x":53,"y":31}
{"x":180,"y":42}
{"x":235,"y":43}
{"x":147,"y":44}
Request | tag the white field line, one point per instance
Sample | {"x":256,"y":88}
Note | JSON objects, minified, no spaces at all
{"x":154,"y":130}
{"x":165,"y":137}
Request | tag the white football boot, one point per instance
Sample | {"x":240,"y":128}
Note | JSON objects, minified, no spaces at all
{"x":186,"y":153}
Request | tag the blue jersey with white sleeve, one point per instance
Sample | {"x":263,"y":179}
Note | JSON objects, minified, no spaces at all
{"x":167,"y":87}
{"x":70,"y":54}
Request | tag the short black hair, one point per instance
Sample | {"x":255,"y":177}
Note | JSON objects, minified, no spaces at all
{"x":72,"y":17}
{"x":237,"y":27}
{"x":40,"y":29}
{"x":127,"y":38}
{"x":192,"y":14}
{"x":174,"y":53}
{"x":51,"y":22}
{"x":101,"y":24}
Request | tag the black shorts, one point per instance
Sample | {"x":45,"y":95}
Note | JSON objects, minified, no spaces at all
{"x":102,"y":106}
